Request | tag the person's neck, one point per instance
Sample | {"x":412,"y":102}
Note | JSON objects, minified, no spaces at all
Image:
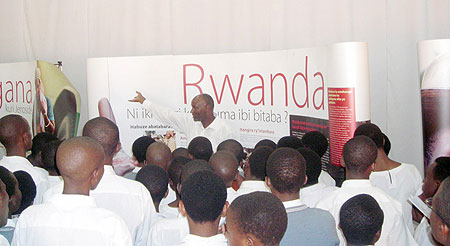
{"x":16,"y":151}
{"x":350,"y":175}
{"x":175,"y":203}
{"x":52,"y":173}
{"x":384,"y":163}
{"x":252,"y":178}
{"x":286,"y":197}
{"x":310,"y":184}
{"x":156,"y":206}
{"x":75,"y":188}
{"x":205,"y":229}
{"x":207,"y":121}
{"x":108,"y":160}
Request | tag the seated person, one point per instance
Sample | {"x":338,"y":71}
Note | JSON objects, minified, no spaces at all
{"x":155,"y":179}
{"x":256,"y":219}
{"x":399,"y":180}
{"x":139,"y":149}
{"x":15,"y":197}
{"x":28,"y":190}
{"x":292,"y":142}
{"x":200,"y":148}
{"x":440,"y":215}
{"x":360,"y":220}
{"x":4,"y":211}
{"x":226,"y":166}
{"x":38,"y":144}
{"x":255,"y":171}
{"x":48,"y":162}
{"x":285,"y":176}
{"x":203,"y":202}
{"x":313,"y":191}
{"x":72,"y":218}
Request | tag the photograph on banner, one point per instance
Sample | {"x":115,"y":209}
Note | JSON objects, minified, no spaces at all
{"x":434,"y":72}
{"x":258,"y":94}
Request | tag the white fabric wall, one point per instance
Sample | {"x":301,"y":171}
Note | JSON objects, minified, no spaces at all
{"x":73,"y":30}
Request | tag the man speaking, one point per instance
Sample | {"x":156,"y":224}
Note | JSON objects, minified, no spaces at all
{"x":203,"y":122}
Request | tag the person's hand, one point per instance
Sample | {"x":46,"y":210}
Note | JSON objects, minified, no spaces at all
{"x":138,"y":98}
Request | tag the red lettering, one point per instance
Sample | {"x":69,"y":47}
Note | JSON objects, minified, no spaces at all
{"x":226,"y":80}
{"x":185,"y":84}
{"x":9,"y":92}
{"x":272,"y":79}
{"x":17,"y":91}
{"x":29,"y":95}
{"x":261,"y":87}
{"x":322,"y":88}
{"x":305,"y":78}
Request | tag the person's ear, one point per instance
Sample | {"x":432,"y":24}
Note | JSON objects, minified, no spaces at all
{"x":250,"y":241}
{"x":306,"y":180}
{"x":95,"y":178}
{"x":372,"y":167}
{"x":118,"y":147}
{"x":342,"y":162}
{"x":377,"y":236}
{"x":191,"y":156}
{"x":182,"y":209}
{"x":225,"y":209}
{"x":268,"y":183}
{"x":179,"y":188}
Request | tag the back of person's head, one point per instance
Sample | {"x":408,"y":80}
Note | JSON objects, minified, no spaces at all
{"x":372,"y":131}
{"x":290,"y":142}
{"x":155,"y":179}
{"x":193,"y":167}
{"x":40,"y":140}
{"x":139,"y":148}
{"x":387,"y":144}
{"x":361,"y":219}
{"x":225,"y":165}
{"x":48,"y":156}
{"x":313,"y":165}
{"x":28,"y":189}
{"x":286,"y":170}
{"x":105,"y":132}
{"x":267,"y":143}
{"x":316,"y":141}
{"x":203,"y":196}
{"x":180,"y":151}
{"x":257,"y":162}
{"x":4,"y":208}
{"x":359,"y":154}
{"x":12,"y":188}
{"x":440,"y":215}
{"x":174,"y":171}
{"x":200,"y":148}
{"x":442,"y":169}
{"x":158,"y":154}
{"x":14,"y":130}
{"x":207,"y":99}
{"x":259,"y":218}
{"x":234,"y":147}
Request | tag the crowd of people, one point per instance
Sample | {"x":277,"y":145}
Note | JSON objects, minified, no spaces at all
{"x":67,"y":192}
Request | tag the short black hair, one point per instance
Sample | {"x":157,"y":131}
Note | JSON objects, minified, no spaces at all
{"x":180,"y":151}
{"x":372,"y":131}
{"x":203,"y":194}
{"x":48,"y":156}
{"x":359,"y":153}
{"x":155,"y":179}
{"x":40,"y":140}
{"x":200,"y":148}
{"x":28,"y":189}
{"x":260,"y":214}
{"x":360,"y":219}
{"x":442,"y":169}
{"x":193,"y":167}
{"x":234,"y":147}
{"x":292,"y":142}
{"x":105,"y":132}
{"x":441,"y":201}
{"x":286,"y":170}
{"x":5,"y":176}
{"x":267,"y":143}
{"x":316,"y":141}
{"x":387,"y":144}
{"x":258,"y":161}
{"x":313,"y":165}
{"x":175,"y":167}
{"x":139,"y":147}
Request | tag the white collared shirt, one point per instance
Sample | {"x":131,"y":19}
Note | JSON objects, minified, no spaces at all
{"x":400,"y":182}
{"x":18,"y":163}
{"x":70,"y":220}
{"x":311,"y":195}
{"x":194,"y":240}
{"x":231,"y":195}
{"x":326,"y":179}
{"x":171,"y":196}
{"x":249,"y":186}
{"x":423,"y":235}
{"x":167,"y":212}
{"x":54,"y":180}
{"x":127,"y":198}
{"x":216,"y":132}
{"x":3,"y":241}
{"x":394,"y":230}
{"x":168,"y":232}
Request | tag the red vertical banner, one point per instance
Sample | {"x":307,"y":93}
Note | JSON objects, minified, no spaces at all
{"x":342,"y":120}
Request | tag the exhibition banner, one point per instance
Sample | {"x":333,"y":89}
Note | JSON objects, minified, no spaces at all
{"x":434,"y":72}
{"x":261,"y":95}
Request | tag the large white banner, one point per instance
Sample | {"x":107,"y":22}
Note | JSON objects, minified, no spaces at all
{"x":262,"y":95}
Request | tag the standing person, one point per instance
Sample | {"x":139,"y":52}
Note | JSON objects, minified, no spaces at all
{"x":202,"y":123}
{"x":73,"y":218}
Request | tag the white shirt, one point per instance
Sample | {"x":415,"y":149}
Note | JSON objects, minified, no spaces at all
{"x":54,"y":180}
{"x":326,"y":179}
{"x":311,"y":195}
{"x":195,"y":240}
{"x":3,"y":241}
{"x":127,"y":198}
{"x":70,"y":220}
{"x":168,"y":212}
{"x":423,"y":235}
{"x":171,"y":196}
{"x":394,"y":230}
{"x":168,"y":232}
{"x":400,"y":182}
{"x":231,"y":195}
{"x":40,"y":178}
{"x":216,"y":132}
{"x":249,"y":186}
